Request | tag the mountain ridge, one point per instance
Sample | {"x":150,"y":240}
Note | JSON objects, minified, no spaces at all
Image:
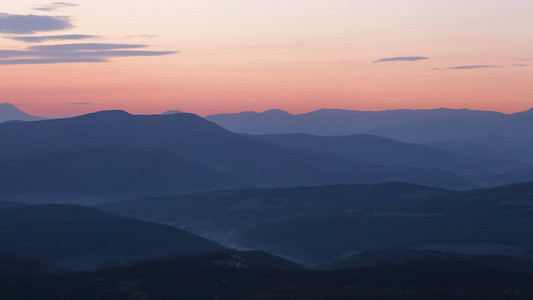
{"x":196,"y":140}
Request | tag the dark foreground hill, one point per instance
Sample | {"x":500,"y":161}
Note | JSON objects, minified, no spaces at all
{"x":86,"y":238}
{"x":323,"y":224}
{"x":198,"y":278}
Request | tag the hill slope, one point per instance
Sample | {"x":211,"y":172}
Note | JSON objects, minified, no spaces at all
{"x":86,"y":238}
{"x":9,"y":112}
{"x":101,"y":174}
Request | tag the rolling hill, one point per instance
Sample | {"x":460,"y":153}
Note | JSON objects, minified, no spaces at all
{"x":80,"y":237}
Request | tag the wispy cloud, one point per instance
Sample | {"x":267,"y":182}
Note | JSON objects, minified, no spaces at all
{"x":28,"y":24}
{"x":54,"y":6}
{"x":470,"y":67}
{"x":79,"y":103}
{"x":18,"y":27}
{"x":46,"y":38}
{"x":86,"y":46}
{"x":401,"y":58}
{"x":12,"y":53}
{"x":70,"y":53}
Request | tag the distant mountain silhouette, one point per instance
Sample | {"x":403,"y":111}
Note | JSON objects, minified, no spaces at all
{"x":315,"y":225}
{"x":332,"y":122}
{"x":465,"y":131}
{"x":239,"y":158}
{"x":86,"y":238}
{"x":9,"y":112}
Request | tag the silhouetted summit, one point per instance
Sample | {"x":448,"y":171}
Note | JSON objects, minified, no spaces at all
{"x":9,"y":112}
{"x":104,"y":114}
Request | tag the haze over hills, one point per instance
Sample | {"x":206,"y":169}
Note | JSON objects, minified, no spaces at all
{"x":9,"y":112}
{"x":481,"y":133}
{"x":377,"y":150}
{"x":318,"y":225}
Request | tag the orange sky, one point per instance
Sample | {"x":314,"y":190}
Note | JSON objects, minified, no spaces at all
{"x":295,"y":55}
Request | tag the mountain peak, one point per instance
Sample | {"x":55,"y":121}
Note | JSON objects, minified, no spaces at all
{"x":9,"y":112}
{"x":275,"y":112}
{"x":107,"y":114}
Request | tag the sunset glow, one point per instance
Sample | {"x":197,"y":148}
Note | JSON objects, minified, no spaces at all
{"x":212,"y":56}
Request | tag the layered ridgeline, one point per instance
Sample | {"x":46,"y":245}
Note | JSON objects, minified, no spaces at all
{"x":113,"y":154}
{"x":485,"y":133}
{"x":318,"y":225}
{"x":9,"y":112}
{"x":77,"y":237}
{"x":377,"y":150}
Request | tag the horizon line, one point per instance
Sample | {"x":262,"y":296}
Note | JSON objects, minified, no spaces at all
{"x":18,"y":106}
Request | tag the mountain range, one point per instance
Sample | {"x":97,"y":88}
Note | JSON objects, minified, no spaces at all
{"x":405,"y":207}
{"x":482,"y":133}
{"x":112,"y":155}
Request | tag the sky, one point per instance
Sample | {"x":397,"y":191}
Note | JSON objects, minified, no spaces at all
{"x":222,"y":56}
